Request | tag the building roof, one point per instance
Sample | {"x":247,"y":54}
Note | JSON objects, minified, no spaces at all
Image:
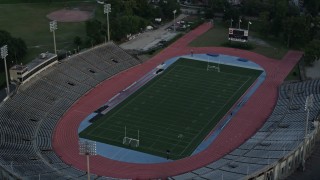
{"x":43,"y":57}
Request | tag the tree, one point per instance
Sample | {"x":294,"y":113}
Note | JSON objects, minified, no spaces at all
{"x":144,"y":9}
{"x":77,"y":41}
{"x":93,"y":29}
{"x":129,"y":5}
{"x":127,"y":25}
{"x":232,"y":13}
{"x":315,"y":28}
{"x":279,"y":12}
{"x":296,"y":31}
{"x":253,"y":7}
{"x":264,"y":27}
{"x":17,"y":48}
{"x":312,"y":6}
{"x":218,"y":5}
{"x":167,"y":7}
{"x":312,"y":52}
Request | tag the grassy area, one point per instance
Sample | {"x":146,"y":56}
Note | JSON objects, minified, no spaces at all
{"x":29,"y":22}
{"x":294,"y":74}
{"x":218,"y":36}
{"x":176,"y":110}
{"x":214,"y":37}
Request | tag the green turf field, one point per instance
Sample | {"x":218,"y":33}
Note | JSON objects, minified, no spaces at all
{"x":176,"y":110}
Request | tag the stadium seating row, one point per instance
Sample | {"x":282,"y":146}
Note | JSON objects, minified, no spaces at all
{"x":28,"y":118}
{"x":282,"y":133}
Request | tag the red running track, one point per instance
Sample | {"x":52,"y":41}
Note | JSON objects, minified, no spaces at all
{"x":243,"y":125}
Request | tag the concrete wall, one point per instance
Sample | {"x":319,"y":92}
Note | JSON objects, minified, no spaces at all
{"x":290,"y":162}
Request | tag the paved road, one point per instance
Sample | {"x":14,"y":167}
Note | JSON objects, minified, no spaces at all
{"x":150,"y":38}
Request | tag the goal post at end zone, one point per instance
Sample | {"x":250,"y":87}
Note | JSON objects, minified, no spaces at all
{"x":132,"y":142}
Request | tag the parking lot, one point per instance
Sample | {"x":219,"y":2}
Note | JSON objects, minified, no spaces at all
{"x":152,"y":38}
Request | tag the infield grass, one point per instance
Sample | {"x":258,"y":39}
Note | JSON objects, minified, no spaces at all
{"x":174,"y":111}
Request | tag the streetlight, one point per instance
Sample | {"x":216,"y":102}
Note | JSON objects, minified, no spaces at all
{"x":307,"y":107}
{"x":249,"y":23}
{"x":89,"y":149}
{"x":174,"y":20}
{"x":231,"y":23}
{"x":107,"y":10}
{"x":239,"y":22}
{"x":53,"y":27}
{"x":4,"y":54}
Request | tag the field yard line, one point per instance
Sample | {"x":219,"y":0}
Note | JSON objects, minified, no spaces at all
{"x":132,"y":124}
{"x":143,"y":132}
{"x":217,"y":88}
{"x":238,"y":75}
{"x":164,"y":99}
{"x":216,"y":114}
{"x":181,"y":77}
{"x":146,"y":137}
{"x":129,"y":101}
{"x":186,"y":110}
{"x":156,"y":140}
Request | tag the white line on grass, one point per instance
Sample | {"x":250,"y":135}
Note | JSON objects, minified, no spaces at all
{"x":215,"y":115}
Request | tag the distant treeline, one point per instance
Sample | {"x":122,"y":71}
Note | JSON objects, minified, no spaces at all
{"x":38,"y":1}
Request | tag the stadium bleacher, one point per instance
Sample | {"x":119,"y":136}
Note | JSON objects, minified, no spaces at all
{"x":28,"y":118}
{"x":27,"y":121}
{"x":280,"y":137}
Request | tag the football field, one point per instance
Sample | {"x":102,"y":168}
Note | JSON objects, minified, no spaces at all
{"x":176,"y":110}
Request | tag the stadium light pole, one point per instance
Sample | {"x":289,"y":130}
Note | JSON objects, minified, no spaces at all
{"x":87,"y":148}
{"x":249,"y":23}
{"x":307,"y":107}
{"x":174,"y":20}
{"x":107,"y":10}
{"x":4,"y":54}
{"x":53,"y":28}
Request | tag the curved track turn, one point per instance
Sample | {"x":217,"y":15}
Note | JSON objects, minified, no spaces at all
{"x":244,"y":124}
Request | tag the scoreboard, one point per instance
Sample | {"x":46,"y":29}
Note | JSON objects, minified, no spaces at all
{"x":240,"y":35}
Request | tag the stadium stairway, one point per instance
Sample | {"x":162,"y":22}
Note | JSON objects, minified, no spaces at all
{"x":281,"y":134}
{"x":28,"y":118}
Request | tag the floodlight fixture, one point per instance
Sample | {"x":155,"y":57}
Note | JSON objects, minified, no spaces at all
{"x":249,"y":23}
{"x":4,"y":51}
{"x":53,"y":26}
{"x":87,"y":148}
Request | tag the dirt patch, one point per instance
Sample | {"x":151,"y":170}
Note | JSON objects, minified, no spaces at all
{"x":70,"y":15}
